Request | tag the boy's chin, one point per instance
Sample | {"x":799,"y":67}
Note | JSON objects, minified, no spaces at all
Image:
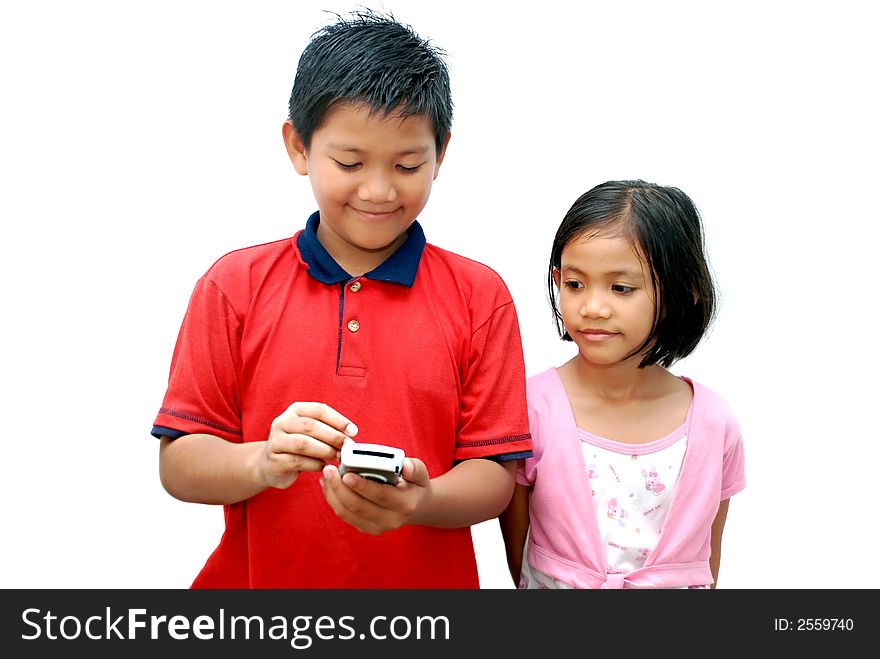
{"x":380,"y":239}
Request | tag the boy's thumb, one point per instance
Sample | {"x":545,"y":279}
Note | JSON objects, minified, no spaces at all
{"x":415,"y":471}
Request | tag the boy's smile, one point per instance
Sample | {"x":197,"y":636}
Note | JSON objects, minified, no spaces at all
{"x":371,"y":175}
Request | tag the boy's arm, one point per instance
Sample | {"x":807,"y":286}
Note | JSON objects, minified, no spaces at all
{"x":717,"y":530}
{"x":471,"y":492}
{"x":203,"y":468}
{"x":209,"y":469}
{"x":514,"y":523}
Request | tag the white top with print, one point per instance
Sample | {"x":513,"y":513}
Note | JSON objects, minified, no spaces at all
{"x":632,"y":485}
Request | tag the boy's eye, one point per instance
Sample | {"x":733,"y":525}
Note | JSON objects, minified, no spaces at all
{"x":622,"y":289}
{"x":408,"y":170}
{"x":345,"y":167}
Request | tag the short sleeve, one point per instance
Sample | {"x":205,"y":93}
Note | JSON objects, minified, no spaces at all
{"x":733,"y":477}
{"x":538,"y":412}
{"x":525,"y":476}
{"x":203,"y":394}
{"x":494,"y":419}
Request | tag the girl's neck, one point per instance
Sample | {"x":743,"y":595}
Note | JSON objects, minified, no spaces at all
{"x":617,"y":383}
{"x":623,"y":402}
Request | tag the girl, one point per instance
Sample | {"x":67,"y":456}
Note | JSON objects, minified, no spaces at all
{"x":633,"y":467}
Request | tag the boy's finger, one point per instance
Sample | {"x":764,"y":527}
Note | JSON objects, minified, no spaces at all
{"x":325,"y":413}
{"x":305,"y":445}
{"x":293,"y":432}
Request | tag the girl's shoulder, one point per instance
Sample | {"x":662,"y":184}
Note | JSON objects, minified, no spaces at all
{"x":550,"y":416}
{"x":711,"y":409}
{"x":547,"y":400}
{"x":543,"y":385}
{"x":543,"y":377}
{"x":708,"y":398}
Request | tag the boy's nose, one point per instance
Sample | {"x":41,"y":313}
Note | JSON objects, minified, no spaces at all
{"x":377,"y":190}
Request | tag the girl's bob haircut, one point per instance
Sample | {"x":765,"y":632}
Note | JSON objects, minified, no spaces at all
{"x":664,"y":227}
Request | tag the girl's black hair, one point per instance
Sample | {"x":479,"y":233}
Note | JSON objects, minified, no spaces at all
{"x":664,"y":227}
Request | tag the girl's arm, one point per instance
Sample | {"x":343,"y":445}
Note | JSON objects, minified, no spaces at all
{"x":717,"y":530}
{"x":514,"y":527}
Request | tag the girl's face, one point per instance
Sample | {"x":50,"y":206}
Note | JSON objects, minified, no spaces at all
{"x":605,"y":297}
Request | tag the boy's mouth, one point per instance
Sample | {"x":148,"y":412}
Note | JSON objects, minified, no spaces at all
{"x":374,"y":215}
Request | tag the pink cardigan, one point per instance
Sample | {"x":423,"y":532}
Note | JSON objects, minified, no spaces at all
{"x":564,"y":540}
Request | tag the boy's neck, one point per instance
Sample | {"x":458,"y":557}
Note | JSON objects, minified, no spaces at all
{"x":356,"y":260}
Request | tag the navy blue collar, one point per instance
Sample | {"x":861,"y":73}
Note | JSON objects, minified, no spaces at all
{"x":399,"y":268}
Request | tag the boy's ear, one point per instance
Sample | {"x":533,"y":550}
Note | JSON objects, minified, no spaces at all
{"x":441,"y":155}
{"x":296,"y":150}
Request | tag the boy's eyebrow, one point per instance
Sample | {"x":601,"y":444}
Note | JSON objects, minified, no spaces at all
{"x":413,"y":150}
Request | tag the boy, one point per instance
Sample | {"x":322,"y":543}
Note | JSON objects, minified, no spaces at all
{"x":356,"y":320}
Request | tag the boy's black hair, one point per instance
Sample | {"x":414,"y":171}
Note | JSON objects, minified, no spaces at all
{"x":663,"y":225}
{"x":370,"y":58}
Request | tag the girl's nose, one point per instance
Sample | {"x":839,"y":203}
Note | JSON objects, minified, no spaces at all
{"x":595,"y":305}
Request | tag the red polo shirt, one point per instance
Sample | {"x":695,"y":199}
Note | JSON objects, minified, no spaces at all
{"x":423,"y":353}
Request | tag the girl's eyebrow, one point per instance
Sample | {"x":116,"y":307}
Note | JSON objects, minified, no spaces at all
{"x":627,"y":274}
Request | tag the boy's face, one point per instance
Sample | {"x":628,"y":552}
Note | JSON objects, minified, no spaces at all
{"x":371,"y":176}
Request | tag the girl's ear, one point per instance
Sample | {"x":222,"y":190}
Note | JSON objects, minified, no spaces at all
{"x":556,"y":277}
{"x":296,"y":150}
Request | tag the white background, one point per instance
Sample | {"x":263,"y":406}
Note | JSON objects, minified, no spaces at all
{"x":140,"y":141}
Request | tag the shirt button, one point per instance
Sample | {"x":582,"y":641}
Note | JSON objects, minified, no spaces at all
{"x":353,"y":326}
{"x":355,"y":287}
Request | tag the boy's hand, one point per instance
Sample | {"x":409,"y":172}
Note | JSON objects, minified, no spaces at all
{"x":376,"y":507}
{"x":304,"y":438}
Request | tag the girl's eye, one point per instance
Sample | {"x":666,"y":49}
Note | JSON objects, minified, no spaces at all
{"x":408,"y":170}
{"x":346,"y":167}
{"x":573,"y":284}
{"x":622,"y":289}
